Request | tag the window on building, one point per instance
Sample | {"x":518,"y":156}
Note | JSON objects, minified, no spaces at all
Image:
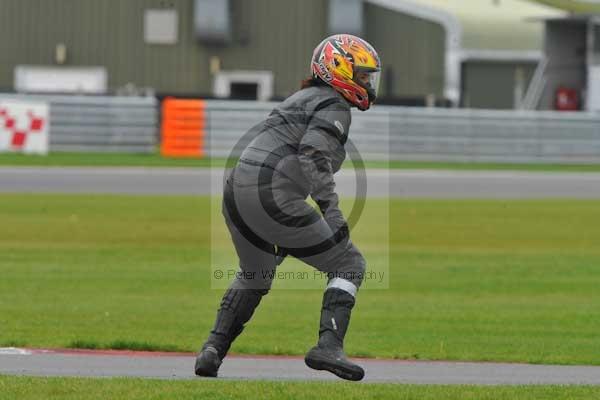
{"x":244,"y":91}
{"x":160,"y":26}
{"x":250,"y":85}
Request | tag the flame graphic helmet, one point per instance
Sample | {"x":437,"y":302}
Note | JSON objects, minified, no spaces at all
{"x":340,"y":59}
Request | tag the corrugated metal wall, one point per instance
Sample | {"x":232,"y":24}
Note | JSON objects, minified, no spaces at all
{"x":492,"y":84}
{"x":105,"y":32}
{"x":267,"y":34}
{"x":278,"y":35}
{"x":411,"y":48}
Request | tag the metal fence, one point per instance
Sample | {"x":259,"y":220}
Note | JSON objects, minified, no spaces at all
{"x":433,"y":134}
{"x":130,"y":124}
{"x":100,"y":123}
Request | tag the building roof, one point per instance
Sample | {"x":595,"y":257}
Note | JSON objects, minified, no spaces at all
{"x":497,"y":24}
{"x":575,"y":6}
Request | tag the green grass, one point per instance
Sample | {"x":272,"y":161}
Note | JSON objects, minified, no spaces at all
{"x":122,"y":345}
{"x":468,"y":280}
{"x":480,"y":166}
{"x":25,"y":388}
{"x":103,"y":160}
{"x":155,"y":160}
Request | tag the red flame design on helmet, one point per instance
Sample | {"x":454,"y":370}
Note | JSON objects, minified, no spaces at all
{"x":338,"y":58}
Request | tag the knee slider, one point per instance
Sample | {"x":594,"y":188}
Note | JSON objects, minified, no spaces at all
{"x":338,"y":287}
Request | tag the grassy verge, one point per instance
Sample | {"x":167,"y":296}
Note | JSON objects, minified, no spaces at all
{"x":24,"y":388}
{"x":103,"y":160}
{"x":468,"y":280}
{"x":155,"y":160}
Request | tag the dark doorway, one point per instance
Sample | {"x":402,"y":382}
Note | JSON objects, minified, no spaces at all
{"x":244,"y":91}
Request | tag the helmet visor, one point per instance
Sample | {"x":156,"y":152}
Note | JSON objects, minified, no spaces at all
{"x":369,"y":79}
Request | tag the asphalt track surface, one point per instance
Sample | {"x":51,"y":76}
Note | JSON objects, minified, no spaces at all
{"x":379,"y":183}
{"x":180,"y":366}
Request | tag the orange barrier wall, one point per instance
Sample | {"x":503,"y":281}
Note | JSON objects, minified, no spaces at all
{"x":183,"y":128}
